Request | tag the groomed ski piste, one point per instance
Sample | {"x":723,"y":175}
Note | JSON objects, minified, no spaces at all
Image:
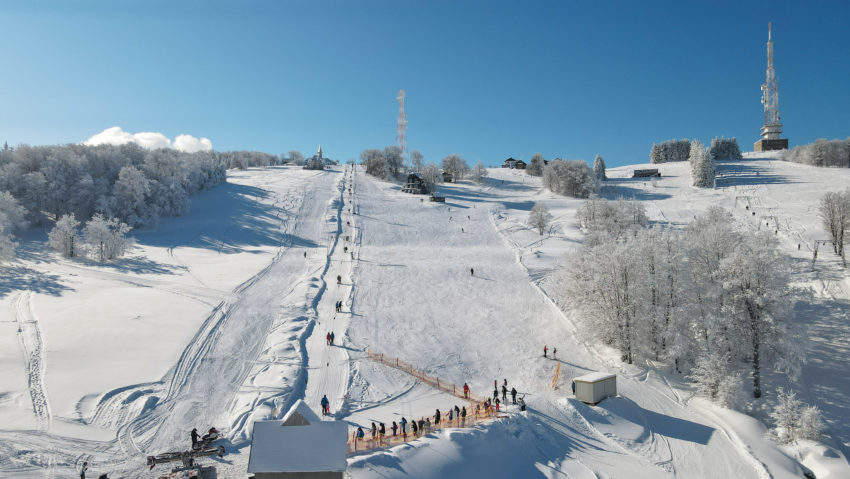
{"x":219,"y":318}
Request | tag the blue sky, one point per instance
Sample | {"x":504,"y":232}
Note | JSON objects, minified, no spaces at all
{"x":486,"y":80}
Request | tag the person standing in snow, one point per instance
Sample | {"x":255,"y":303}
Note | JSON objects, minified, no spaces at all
{"x":395,"y":428}
{"x":381,"y":433}
{"x":554,"y":353}
{"x":194,"y":435}
{"x":328,"y":338}
{"x":403,"y":425}
{"x":495,"y":392}
{"x":326,"y":405}
{"x":428,"y":425}
{"x":504,"y":393}
{"x":332,"y":338}
{"x":505,"y":383}
{"x":374,"y":431}
{"x":413,"y":428}
{"x":465,"y":391}
{"x":360,"y":433}
{"x":437,"y":418}
{"x":497,"y":404}
{"x":472,"y":271}
{"x":457,"y":412}
{"x":338,"y":279}
{"x":451,"y":417}
{"x":513,"y":395}
{"x":84,"y":469}
{"x":545,"y":350}
{"x":463,"y":416}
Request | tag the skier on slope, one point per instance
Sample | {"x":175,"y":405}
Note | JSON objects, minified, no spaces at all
{"x":326,"y":405}
{"x":545,"y":350}
{"x":84,"y":469}
{"x":194,"y":435}
{"x":504,"y":393}
{"x":513,"y":395}
{"x":465,"y":391}
{"x":338,"y":279}
{"x":332,"y":338}
{"x":328,"y":338}
{"x":472,"y":271}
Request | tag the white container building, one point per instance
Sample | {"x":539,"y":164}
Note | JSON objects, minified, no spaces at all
{"x":594,"y":387}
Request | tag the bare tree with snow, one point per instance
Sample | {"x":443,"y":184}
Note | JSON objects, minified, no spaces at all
{"x":416,"y":159}
{"x":455,"y":165}
{"x":296,"y":157}
{"x":539,"y":217}
{"x":106,"y":238}
{"x":834,"y":212}
{"x":536,"y":165}
{"x":479,"y":172}
{"x":64,"y":236}
{"x":570,"y":178}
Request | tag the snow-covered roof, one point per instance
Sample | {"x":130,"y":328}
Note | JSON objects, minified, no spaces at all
{"x":300,"y":414}
{"x":594,"y":377}
{"x":301,"y":442}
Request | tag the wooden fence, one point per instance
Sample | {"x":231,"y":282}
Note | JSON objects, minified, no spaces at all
{"x":476,"y":412}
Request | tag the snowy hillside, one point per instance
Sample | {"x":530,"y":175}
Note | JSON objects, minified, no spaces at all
{"x":220,"y":318}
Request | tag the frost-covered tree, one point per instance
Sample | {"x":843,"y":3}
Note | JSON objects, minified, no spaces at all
{"x":535,"y":167}
{"x":131,"y":194}
{"x":709,"y":301}
{"x":673,"y":150}
{"x":834,"y":212}
{"x":455,"y":165}
{"x":12,"y":222}
{"x":786,"y":416}
{"x":811,"y":424}
{"x":106,"y":238}
{"x":540,"y":217}
{"x":570,"y":178}
{"x":431,"y":176}
{"x":296,"y":157}
{"x":756,"y":285}
{"x":823,"y":153}
{"x":723,"y":149}
{"x":599,"y":168}
{"x":479,"y":172}
{"x":64,"y":236}
{"x":416,"y":159}
{"x":702,"y":166}
{"x":601,"y":218}
{"x":385,"y":164}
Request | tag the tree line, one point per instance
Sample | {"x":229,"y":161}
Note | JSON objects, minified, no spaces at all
{"x":825,"y":153}
{"x":709,"y":301}
{"x":120,"y":184}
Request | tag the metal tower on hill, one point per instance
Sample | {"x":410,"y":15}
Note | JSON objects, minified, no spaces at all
{"x":772,"y":128}
{"x":401,"y":129}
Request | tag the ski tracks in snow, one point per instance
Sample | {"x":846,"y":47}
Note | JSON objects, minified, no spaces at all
{"x":30,"y":338}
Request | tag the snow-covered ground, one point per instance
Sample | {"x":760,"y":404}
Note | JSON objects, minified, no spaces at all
{"x":219,"y":318}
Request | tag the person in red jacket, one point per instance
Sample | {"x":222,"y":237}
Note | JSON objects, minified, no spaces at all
{"x":465,"y":391}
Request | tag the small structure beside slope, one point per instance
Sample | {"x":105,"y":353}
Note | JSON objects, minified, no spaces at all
{"x":300,"y":446}
{"x":594,"y":387}
{"x":648,"y":173}
{"x":415,"y":185}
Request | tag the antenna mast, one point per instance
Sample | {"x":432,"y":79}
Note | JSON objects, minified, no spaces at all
{"x":401,"y":129}
{"x":770,"y":97}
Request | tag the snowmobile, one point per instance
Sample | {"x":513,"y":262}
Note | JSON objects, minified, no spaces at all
{"x":187,"y":457}
{"x":211,"y":436}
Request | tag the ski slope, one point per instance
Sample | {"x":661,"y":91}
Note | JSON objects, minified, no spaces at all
{"x":220,"y":318}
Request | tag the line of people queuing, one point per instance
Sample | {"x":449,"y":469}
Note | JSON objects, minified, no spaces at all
{"x":454,"y":417}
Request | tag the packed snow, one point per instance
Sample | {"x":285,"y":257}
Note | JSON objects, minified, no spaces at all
{"x":220,"y":317}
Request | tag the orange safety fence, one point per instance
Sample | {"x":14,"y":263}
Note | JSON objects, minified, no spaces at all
{"x":475,"y":415}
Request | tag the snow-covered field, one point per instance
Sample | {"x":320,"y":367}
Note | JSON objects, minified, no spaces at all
{"x":219,"y":318}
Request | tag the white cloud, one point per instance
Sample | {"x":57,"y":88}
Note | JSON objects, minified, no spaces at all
{"x":151,"y":140}
{"x":190,"y":144}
